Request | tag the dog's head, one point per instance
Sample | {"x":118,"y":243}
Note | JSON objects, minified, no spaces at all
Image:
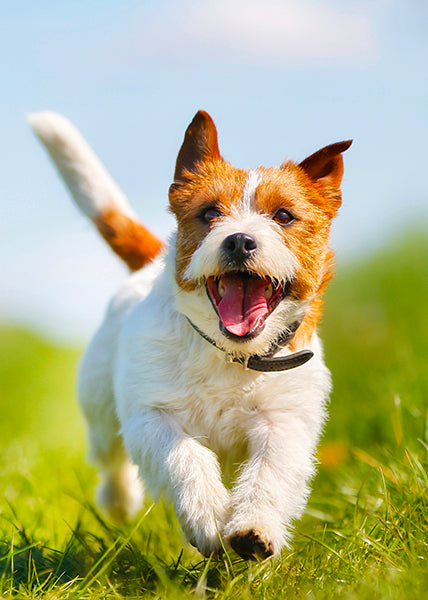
{"x":252,"y":249}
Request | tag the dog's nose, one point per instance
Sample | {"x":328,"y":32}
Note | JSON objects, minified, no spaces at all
{"x":239,"y":246}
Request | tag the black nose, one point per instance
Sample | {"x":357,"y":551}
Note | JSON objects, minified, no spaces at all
{"x":239,"y":246}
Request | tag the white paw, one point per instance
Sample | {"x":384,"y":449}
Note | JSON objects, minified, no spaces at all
{"x":205,"y":533}
{"x":120,"y":494}
{"x":203,"y":522}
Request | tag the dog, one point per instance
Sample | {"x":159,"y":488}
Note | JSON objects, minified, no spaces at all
{"x":206,"y":381}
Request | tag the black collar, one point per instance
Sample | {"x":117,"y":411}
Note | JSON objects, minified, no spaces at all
{"x":268,"y":362}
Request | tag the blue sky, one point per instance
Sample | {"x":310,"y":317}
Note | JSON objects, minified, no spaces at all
{"x":281,"y":78}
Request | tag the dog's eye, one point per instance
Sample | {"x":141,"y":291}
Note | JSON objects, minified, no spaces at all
{"x":210,"y":213}
{"x":283,"y":217}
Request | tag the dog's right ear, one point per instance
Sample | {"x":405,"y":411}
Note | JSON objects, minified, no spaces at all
{"x":200,"y":143}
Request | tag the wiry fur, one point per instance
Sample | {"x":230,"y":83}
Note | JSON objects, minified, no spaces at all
{"x":232,"y":448}
{"x":94,"y":191}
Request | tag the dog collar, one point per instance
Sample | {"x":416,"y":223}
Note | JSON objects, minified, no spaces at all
{"x":267,"y":362}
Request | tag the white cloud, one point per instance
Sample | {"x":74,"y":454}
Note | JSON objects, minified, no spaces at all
{"x":263,"y":31}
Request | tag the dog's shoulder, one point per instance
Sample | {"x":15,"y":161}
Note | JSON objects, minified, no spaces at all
{"x":135,"y":289}
{"x":101,"y":352}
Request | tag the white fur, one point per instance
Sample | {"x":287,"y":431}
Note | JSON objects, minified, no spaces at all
{"x":272,"y":257}
{"x":91,"y":186}
{"x":249,"y":196}
{"x":186,"y":416}
{"x":232,"y":448}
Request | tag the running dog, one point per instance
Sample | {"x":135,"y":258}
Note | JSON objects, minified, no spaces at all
{"x":206,"y":380}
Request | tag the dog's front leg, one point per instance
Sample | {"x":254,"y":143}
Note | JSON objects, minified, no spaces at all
{"x":272,"y":488}
{"x":173,"y":462}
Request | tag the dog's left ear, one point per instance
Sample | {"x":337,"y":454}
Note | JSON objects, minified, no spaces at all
{"x":200,"y":143}
{"x":326,"y":166}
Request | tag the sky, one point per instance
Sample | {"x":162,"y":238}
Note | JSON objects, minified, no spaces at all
{"x":281,"y":78}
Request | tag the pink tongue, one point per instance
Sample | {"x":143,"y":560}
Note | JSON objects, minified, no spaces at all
{"x":243,"y":305}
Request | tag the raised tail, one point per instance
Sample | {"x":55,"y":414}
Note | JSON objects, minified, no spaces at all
{"x":94,"y":191}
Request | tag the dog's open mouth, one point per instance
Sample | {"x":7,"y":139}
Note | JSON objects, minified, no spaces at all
{"x":243,"y":301}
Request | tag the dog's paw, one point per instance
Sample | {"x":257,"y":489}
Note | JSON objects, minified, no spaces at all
{"x":120,"y":494}
{"x":205,"y":534}
{"x":207,"y":549}
{"x":208,"y":543}
{"x":252,"y":545}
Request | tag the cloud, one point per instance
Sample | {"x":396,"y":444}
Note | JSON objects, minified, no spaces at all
{"x":273,"y":32}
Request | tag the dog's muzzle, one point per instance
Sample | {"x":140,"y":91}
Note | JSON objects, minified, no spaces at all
{"x":243,"y":301}
{"x":236,"y":249}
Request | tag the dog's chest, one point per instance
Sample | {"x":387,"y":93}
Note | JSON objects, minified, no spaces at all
{"x":219,"y":421}
{"x":218,"y":405}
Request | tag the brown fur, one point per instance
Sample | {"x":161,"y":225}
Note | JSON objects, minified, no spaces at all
{"x":216,"y":183}
{"x":309,"y":190}
{"x":128,"y":238}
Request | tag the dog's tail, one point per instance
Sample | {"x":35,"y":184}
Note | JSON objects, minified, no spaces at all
{"x":94,"y":190}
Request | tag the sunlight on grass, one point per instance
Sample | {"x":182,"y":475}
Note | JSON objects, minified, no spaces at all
{"x":364,"y":534}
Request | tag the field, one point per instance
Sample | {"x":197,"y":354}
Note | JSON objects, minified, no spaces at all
{"x":365,"y":532}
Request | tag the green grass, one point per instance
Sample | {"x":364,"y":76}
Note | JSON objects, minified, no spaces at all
{"x":365,"y":532}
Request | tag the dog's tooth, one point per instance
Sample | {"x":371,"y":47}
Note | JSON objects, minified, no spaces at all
{"x":221,"y":289}
{"x":269,"y":291}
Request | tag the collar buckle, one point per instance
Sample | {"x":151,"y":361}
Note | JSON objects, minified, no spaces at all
{"x":268,"y":362}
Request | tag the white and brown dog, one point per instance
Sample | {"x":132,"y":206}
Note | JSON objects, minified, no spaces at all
{"x":206,"y":378}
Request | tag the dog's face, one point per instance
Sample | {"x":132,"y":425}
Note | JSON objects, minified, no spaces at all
{"x":252,"y":251}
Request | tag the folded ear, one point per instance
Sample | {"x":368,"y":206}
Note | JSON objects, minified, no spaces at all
{"x":326,"y":165}
{"x":200,"y":143}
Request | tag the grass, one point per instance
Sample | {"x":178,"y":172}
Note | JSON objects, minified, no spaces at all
{"x":365,"y":532}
